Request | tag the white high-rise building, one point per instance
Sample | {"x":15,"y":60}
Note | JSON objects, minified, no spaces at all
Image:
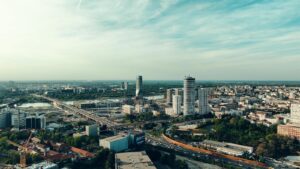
{"x":189,"y":96}
{"x":203,"y":102}
{"x":179,"y":92}
{"x":124,"y":85}
{"x":177,"y":104}
{"x":169,"y":95}
{"x":295,"y":113}
{"x":139,"y":84}
{"x":18,"y":119}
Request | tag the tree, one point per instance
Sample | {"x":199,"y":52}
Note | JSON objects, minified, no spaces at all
{"x":109,"y":164}
{"x":181,"y":164}
{"x":260,"y":150}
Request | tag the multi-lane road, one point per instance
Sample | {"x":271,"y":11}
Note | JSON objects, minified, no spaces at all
{"x":159,"y":141}
{"x":86,"y":114}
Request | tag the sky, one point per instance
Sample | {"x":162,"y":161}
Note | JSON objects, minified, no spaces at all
{"x":159,"y":39}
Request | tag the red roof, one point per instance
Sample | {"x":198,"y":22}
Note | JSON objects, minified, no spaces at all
{"x":82,"y":152}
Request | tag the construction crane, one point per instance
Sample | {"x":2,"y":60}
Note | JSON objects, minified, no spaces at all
{"x":24,"y":151}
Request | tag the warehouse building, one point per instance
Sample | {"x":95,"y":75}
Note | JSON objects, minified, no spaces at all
{"x":227,"y":148}
{"x":136,"y":160}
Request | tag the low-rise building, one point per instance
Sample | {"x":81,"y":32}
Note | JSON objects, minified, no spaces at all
{"x":155,"y":113}
{"x":127,"y":109}
{"x":36,"y":122}
{"x":115,"y":143}
{"x":136,"y":138}
{"x":289,"y":130}
{"x":35,"y":140}
{"x":44,"y":165}
{"x":42,"y":148}
{"x":77,"y":135}
{"x":188,"y":127}
{"x":83,"y":153}
{"x":136,"y":160}
{"x":227,"y":148}
{"x":170,"y":111}
{"x":139,"y":108}
{"x":91,"y":130}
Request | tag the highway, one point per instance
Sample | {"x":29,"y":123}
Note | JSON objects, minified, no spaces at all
{"x":104,"y":120}
{"x":86,"y":114}
{"x":159,"y":141}
{"x":91,"y":116}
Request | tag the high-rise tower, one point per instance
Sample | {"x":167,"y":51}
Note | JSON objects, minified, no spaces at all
{"x":169,"y":95}
{"x":189,"y":96}
{"x":179,"y":92}
{"x":203,"y":103}
{"x":295,"y":113}
{"x":177,"y":104}
{"x":139,"y":84}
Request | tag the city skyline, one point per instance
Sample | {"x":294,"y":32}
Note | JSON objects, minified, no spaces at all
{"x":161,"y":40}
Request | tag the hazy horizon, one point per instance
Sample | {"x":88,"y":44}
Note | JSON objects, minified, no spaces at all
{"x":161,"y":40}
{"x":145,"y":80}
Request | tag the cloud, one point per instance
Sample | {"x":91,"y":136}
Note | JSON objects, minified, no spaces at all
{"x":117,"y":39}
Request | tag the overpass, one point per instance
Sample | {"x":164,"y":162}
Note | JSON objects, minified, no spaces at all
{"x":104,"y":120}
{"x":76,"y":111}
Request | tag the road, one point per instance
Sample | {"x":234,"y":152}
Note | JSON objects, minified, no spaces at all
{"x":86,"y":114}
{"x":159,"y":141}
{"x":193,"y":164}
{"x":279,"y":164}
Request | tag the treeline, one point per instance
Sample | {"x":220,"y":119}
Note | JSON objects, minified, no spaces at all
{"x":104,"y":159}
{"x":148,"y":116}
{"x":88,"y":143}
{"x":10,"y":155}
{"x":276,"y":146}
{"x":264,"y":139}
{"x":109,"y":92}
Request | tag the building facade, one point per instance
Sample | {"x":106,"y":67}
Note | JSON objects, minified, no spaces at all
{"x":134,"y":160}
{"x":289,"y":130}
{"x":136,"y":138}
{"x":169,"y":95}
{"x":115,"y":143}
{"x":5,"y":118}
{"x":179,"y":92}
{"x":177,"y":104}
{"x":91,"y":130}
{"x":189,"y":96}
{"x":139,"y":85}
{"x":18,"y":119}
{"x":295,"y":113}
{"x":203,"y":102}
{"x":36,"y":122}
{"x":127,"y":109}
{"x":124,"y":85}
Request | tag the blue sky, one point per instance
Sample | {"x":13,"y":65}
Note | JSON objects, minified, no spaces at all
{"x":167,"y":39}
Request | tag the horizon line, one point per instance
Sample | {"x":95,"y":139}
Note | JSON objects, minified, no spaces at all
{"x":1,"y":81}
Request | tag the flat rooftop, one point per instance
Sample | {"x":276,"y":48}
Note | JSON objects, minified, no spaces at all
{"x":133,"y":160}
{"x":114,"y":138}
